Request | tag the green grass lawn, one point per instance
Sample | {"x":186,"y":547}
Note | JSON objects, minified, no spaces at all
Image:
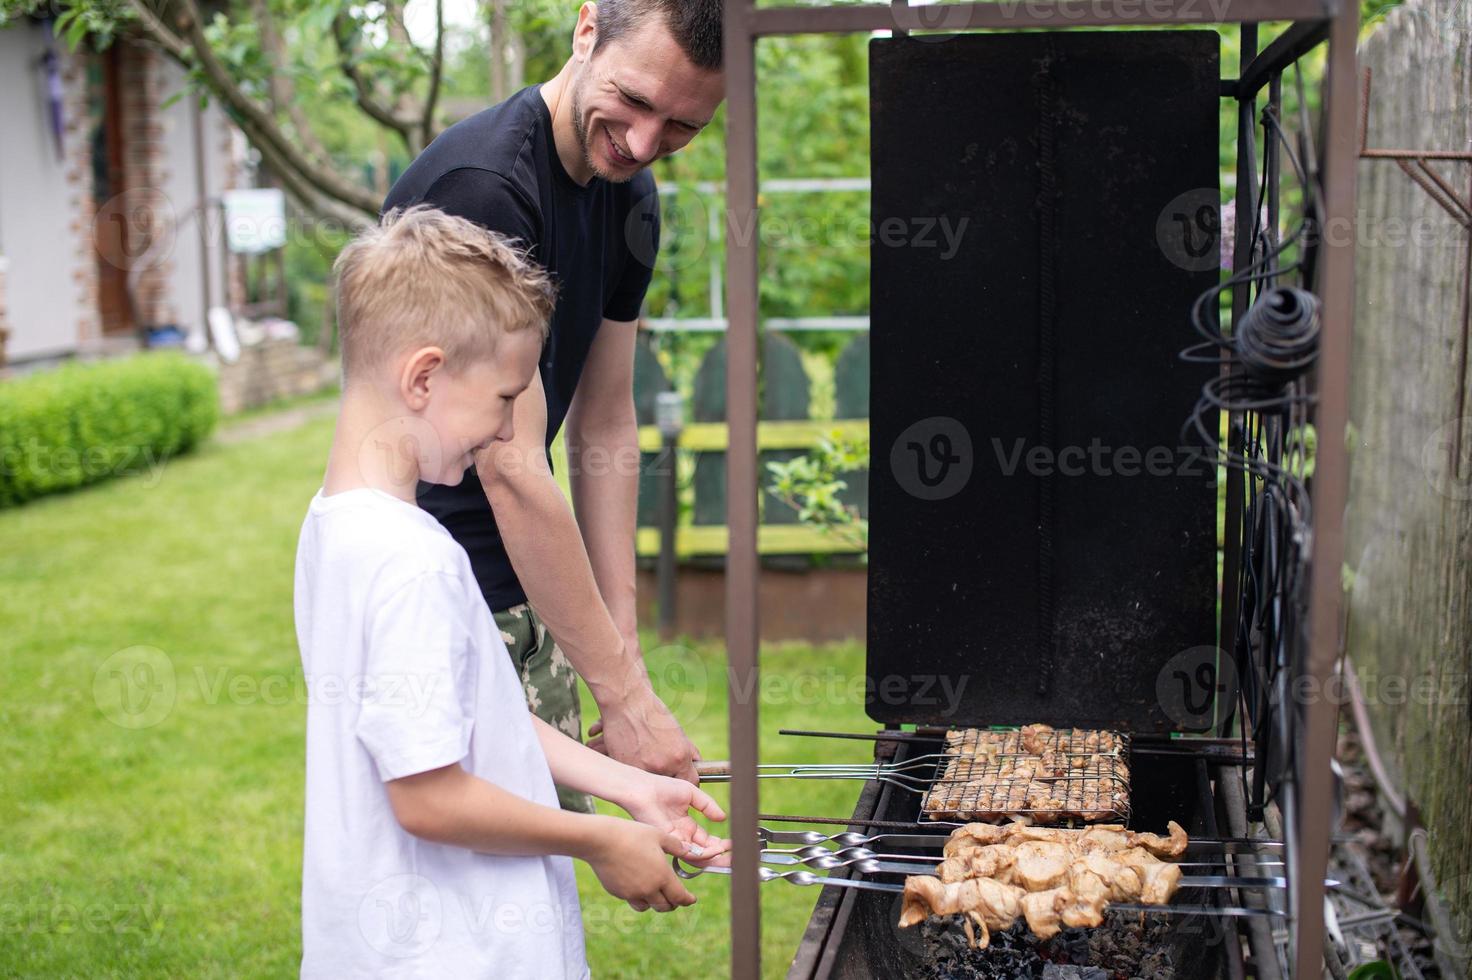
{"x":175,"y":849}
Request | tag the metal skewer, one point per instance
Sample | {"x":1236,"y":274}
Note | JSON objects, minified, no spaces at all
{"x":808,"y":878}
{"x":873,"y":865}
{"x":802,"y":855}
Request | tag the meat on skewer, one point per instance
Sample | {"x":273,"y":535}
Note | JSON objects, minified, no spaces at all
{"x":1051,"y":877}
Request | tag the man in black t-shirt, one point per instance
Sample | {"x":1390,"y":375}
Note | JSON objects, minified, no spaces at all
{"x":562,"y":167}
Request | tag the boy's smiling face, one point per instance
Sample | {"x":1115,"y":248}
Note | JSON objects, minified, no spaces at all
{"x":470,"y":408}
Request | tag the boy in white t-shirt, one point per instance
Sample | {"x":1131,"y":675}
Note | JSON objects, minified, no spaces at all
{"x":434,"y":844}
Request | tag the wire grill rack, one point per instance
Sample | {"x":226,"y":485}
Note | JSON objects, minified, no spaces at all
{"x":1049,"y":775}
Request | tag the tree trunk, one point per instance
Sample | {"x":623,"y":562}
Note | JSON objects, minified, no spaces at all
{"x":1410,"y":518}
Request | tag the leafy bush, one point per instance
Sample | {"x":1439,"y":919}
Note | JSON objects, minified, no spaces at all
{"x":81,"y":423}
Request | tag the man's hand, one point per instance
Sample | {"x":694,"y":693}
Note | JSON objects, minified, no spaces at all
{"x":641,"y":731}
{"x":665,"y":804}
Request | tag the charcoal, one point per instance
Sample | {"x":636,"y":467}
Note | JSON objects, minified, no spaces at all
{"x":1133,"y":947}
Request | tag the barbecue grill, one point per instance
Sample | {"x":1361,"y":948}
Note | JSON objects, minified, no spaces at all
{"x":1078,"y":319}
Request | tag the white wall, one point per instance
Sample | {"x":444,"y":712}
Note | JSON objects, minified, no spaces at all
{"x":186,"y":281}
{"x":43,"y":296}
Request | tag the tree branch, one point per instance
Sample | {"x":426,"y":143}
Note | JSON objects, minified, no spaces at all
{"x":367,"y":99}
{"x":256,"y":123}
{"x":280,"y":86}
{"x":427,"y":127}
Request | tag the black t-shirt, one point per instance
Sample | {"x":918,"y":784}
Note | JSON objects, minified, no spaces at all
{"x":500,"y":169}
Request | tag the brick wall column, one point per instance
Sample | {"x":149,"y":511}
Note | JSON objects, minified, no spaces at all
{"x":145,"y":167}
{"x":77,"y":97}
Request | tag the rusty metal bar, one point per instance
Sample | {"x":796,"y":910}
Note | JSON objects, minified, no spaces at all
{"x":1025,"y":15}
{"x":742,"y":635}
{"x":1416,"y":155}
{"x":1315,"y":749}
{"x":1241,"y":299}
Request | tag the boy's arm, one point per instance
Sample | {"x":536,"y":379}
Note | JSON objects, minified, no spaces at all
{"x":656,"y":800}
{"x":450,"y":806}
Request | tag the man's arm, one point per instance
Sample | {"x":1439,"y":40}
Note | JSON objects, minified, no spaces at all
{"x":602,"y":434}
{"x":543,"y":541}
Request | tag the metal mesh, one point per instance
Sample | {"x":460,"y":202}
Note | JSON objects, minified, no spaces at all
{"x":1051,"y":776}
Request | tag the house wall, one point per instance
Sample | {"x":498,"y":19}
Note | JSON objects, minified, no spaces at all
{"x":49,"y":297}
{"x":45,"y":202}
{"x":222,"y":148}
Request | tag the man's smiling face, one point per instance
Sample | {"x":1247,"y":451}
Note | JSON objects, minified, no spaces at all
{"x":639,"y":98}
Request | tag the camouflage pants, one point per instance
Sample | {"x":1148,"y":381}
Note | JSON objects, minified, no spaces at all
{"x":550,"y":683}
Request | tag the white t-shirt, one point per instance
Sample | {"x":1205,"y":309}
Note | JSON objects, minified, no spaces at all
{"x":406,"y":672}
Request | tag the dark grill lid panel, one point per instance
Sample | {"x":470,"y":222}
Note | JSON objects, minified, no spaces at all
{"x":958,"y":549}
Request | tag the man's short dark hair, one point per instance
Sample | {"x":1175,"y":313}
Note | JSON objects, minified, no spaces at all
{"x":694,"y":24}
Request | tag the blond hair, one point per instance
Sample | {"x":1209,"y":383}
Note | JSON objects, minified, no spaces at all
{"x":422,"y":278}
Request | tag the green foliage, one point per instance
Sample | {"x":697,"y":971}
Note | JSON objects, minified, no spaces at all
{"x":812,"y":485}
{"x":81,"y":423}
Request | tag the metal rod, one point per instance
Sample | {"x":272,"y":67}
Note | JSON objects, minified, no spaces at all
{"x":1284,"y":50}
{"x":1241,"y":298}
{"x":742,"y":611}
{"x":769,"y":21}
{"x":669,"y":516}
{"x":1315,"y":750}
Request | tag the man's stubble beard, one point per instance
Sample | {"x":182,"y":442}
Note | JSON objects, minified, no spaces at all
{"x":585,"y":143}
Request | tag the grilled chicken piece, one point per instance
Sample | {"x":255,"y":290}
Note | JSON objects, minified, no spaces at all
{"x":1041,"y":909}
{"x":986,"y":903}
{"x":986,"y":861}
{"x":973,"y":835}
{"x":1037,"y":738}
{"x":1041,"y":865}
{"x":1122,"y":881}
{"x":1173,"y":845}
{"x":1158,"y":879}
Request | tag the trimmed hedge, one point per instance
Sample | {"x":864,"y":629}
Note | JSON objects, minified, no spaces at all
{"x":81,"y":423}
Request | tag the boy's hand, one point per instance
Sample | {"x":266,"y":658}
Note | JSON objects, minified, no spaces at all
{"x":630,"y":862}
{"x":665,"y":804}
